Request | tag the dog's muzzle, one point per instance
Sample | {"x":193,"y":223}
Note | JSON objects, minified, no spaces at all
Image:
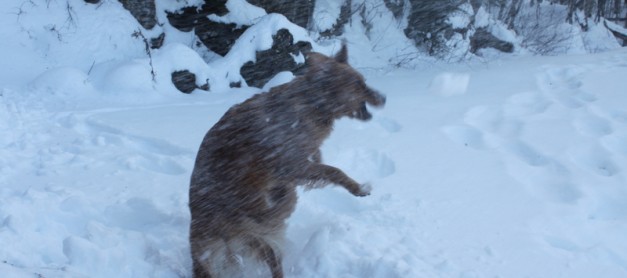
{"x":375,"y":98}
{"x":362,"y":113}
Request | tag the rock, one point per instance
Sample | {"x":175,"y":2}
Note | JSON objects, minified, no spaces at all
{"x":205,"y":87}
{"x":220,"y":37}
{"x":188,"y":18}
{"x":157,"y":42}
{"x":143,"y":10}
{"x":184,"y":81}
{"x":297,"y":11}
{"x":482,"y":38}
{"x":428,"y":24}
{"x":216,"y":36}
{"x":280,"y":57}
{"x":396,"y":7}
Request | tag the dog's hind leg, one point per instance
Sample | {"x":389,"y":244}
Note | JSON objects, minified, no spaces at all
{"x":199,"y":271}
{"x":269,"y":256}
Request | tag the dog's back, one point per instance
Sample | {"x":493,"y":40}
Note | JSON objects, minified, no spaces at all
{"x":243,"y":186}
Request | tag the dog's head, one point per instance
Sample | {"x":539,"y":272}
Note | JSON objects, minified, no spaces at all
{"x":342,"y":86}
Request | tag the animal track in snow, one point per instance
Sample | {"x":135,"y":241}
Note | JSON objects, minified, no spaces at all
{"x":146,"y":144}
{"x":596,"y":160}
{"x":552,"y":181}
{"x":492,"y":120}
{"x":561,"y":243}
{"x":562,"y":192}
{"x":619,"y":116}
{"x":513,"y":129}
{"x":590,"y":124}
{"x":465,"y":135}
{"x":526,"y":104}
{"x":525,"y":153}
{"x":390,"y":125}
{"x":144,"y":152}
{"x":484,"y":118}
{"x":563,"y":85}
{"x":616,"y":144}
{"x":612,"y":208}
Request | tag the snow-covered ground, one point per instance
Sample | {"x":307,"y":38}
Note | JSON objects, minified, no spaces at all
{"x":523,"y":175}
{"x":509,"y":168}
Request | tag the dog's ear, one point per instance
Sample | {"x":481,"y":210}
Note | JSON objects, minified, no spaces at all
{"x":342,"y":55}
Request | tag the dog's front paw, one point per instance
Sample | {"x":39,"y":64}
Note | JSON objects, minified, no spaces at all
{"x":363,"y":190}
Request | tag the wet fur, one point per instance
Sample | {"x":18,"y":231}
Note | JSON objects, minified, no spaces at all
{"x":243,"y":186}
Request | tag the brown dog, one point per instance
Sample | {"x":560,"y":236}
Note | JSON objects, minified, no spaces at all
{"x":243,"y":186}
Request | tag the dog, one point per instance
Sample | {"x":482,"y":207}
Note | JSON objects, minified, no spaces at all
{"x":243,"y":186}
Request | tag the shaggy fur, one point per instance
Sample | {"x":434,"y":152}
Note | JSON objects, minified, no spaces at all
{"x":243,"y":186}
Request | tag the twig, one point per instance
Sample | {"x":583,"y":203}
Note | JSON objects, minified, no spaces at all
{"x":138,"y":34}
{"x":92,"y":67}
{"x":21,"y":11}
{"x":71,"y":14}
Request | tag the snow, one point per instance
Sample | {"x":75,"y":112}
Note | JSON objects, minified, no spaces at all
{"x":383,"y":43}
{"x":280,"y":78}
{"x":599,"y":33}
{"x":114,"y":79}
{"x":460,"y":19}
{"x":514,"y":167}
{"x":40,"y":32}
{"x":449,"y":84}
{"x":326,"y":14}
{"x":240,"y":13}
{"x":482,"y":18}
{"x":615,"y":27}
{"x":256,"y":38}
